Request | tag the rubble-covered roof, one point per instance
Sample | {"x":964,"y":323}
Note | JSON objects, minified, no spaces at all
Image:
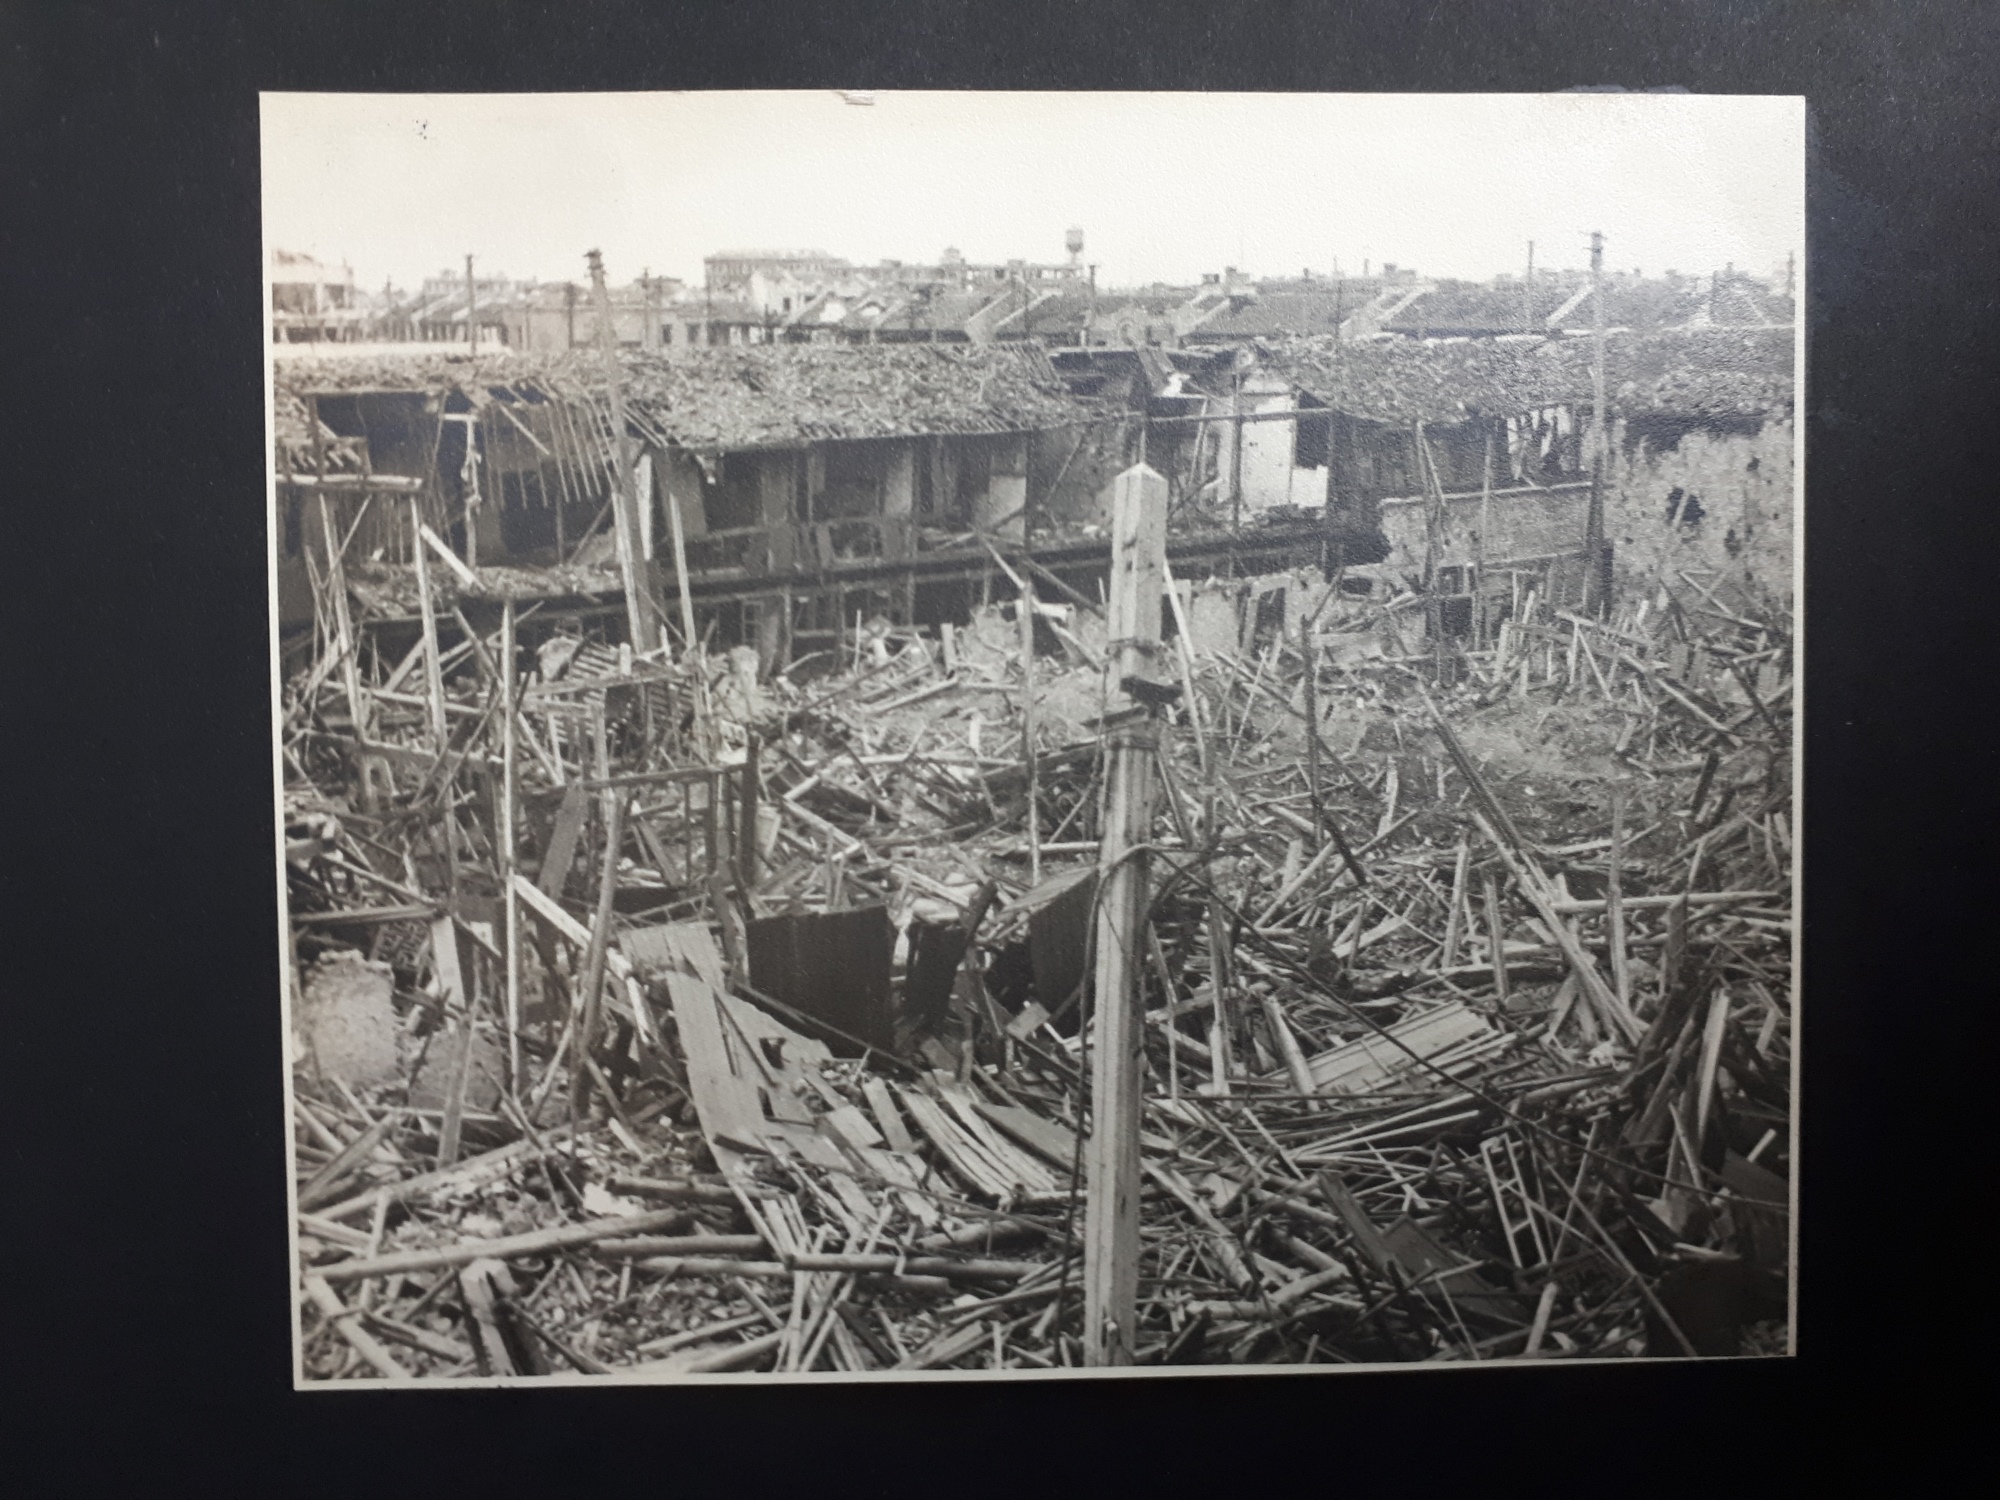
{"x":1709,"y":372}
{"x":1271,"y":313}
{"x":1689,"y":302}
{"x":757,"y":396}
{"x":1484,"y":309}
{"x":944,"y":310}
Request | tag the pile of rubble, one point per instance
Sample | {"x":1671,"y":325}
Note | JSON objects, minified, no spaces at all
{"x":654,"y":1018}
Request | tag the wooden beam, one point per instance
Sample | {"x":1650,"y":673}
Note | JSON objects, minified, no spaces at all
{"x":452,"y":995}
{"x":433,"y":672}
{"x":510,"y":776}
{"x":357,"y":701}
{"x":638,"y":599}
{"x":450,"y":558}
{"x":1111,"y":1215}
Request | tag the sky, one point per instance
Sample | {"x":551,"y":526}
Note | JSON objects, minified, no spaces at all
{"x":1165,"y":186}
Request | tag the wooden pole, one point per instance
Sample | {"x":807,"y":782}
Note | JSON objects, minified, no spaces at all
{"x":590,"y":998}
{"x":433,"y":672}
{"x":1593,"y":540}
{"x":1309,"y":653}
{"x":639,"y":615}
{"x":1236,"y":462}
{"x":1614,"y":904}
{"x":1528,"y":293}
{"x":509,"y":794}
{"x":357,"y":701}
{"x":1479,"y":547}
{"x":1026,"y":609}
{"x":746,"y":817}
{"x":681,"y":567}
{"x":471,"y":309}
{"x":1111,"y":1215}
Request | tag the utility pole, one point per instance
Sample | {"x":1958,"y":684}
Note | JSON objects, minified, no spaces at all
{"x":1091,"y":321}
{"x":471,"y":308}
{"x":1595,"y":582}
{"x":569,"y":310}
{"x":1597,"y":347}
{"x":1528,"y":293}
{"x":1111,"y":1205}
{"x":639,"y":611}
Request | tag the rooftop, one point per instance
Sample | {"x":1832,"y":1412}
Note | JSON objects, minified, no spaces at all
{"x":1708,"y":372}
{"x":732,"y":399}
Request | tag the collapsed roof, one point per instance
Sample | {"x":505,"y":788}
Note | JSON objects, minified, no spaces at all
{"x":729,"y":399}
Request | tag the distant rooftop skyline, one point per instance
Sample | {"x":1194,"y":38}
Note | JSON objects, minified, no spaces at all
{"x":1166,"y":187}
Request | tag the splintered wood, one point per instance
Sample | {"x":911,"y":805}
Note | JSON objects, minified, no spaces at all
{"x":1321,"y":986}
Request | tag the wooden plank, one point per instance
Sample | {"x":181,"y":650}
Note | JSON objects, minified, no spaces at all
{"x":433,"y":671}
{"x":883,"y":1102}
{"x":1354,"y":1067}
{"x":563,"y":840}
{"x":535,"y":1242}
{"x":1054,"y":1143}
{"x":450,"y":558}
{"x":960,"y":1152}
{"x":456,"y":1001}
{"x":725,"y":1103}
{"x":1029,"y":1171}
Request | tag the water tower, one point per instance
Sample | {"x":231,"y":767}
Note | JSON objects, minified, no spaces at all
{"x":1073,"y":242}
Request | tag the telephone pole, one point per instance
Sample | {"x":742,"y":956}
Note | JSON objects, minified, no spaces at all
{"x":1596,"y":584}
{"x":471,"y":308}
{"x":1528,"y":293}
{"x":1597,"y":347}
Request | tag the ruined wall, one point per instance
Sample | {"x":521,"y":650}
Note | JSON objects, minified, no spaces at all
{"x":1719,"y":503}
{"x":1072,"y":472}
{"x":1270,"y":476}
{"x":1520,"y":524}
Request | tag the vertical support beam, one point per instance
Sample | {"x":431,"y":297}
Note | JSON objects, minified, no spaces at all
{"x":349,"y":649}
{"x":1528,"y":293}
{"x":589,"y":1000}
{"x":1593,"y":536}
{"x":1025,"y":607}
{"x":679,"y":533}
{"x":639,"y":616}
{"x":1111,"y":1215}
{"x":1309,"y":656}
{"x":1614,"y":897}
{"x":1236,"y":460}
{"x":746,"y":816}
{"x":509,"y":785}
{"x":456,"y":1001}
{"x":433,"y":672}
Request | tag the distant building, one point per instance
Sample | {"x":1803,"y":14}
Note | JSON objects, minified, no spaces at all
{"x":312,"y":302}
{"x":771,"y":281}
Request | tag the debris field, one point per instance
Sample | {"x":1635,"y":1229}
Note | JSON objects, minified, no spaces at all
{"x":652,"y":1017}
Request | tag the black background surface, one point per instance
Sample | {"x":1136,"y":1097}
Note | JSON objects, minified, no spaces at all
{"x":146,"y":1336}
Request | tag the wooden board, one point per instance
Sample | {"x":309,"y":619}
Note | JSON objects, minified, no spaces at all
{"x":686,"y":946}
{"x":1054,"y":1143}
{"x":1367,"y":1062}
{"x":883,"y":1102}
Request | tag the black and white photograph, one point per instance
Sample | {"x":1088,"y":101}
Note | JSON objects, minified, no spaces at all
{"x":982,"y":735}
